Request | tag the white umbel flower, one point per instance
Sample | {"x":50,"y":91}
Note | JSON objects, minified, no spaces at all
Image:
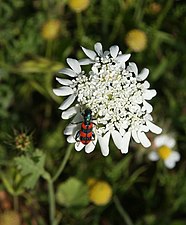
{"x":116,"y":94}
{"x":164,"y":145}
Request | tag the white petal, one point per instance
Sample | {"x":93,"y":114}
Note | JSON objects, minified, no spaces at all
{"x":143,"y":128}
{"x":154,"y":128}
{"x":125,"y":142}
{"x":146,"y":85}
{"x":78,"y":118}
{"x":153,"y":156}
{"x":169,"y":164}
{"x":114,"y":51}
{"x":64,"y":81}
{"x":71,"y":139}
{"x":68,"y":72}
{"x":69,"y":113}
{"x":133,"y":68}
{"x":63,"y":91}
{"x":175,"y":156}
{"x":143,"y":75}
{"x":98,"y":48}
{"x":147,"y":107}
{"x":79,"y":146}
{"x":74,"y":64}
{"x":143,"y":139}
{"x":117,"y":138}
{"x":90,"y":147}
{"x":91,"y":54}
{"x":70,"y":129}
{"x":85,"y":61}
{"x":135,"y":136}
{"x":160,"y":140}
{"x":149,"y":94}
{"x":68,"y":102}
{"x":123,"y":58}
{"x":104,"y":143}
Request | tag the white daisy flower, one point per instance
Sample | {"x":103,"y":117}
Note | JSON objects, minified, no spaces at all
{"x":164,"y":145}
{"x":116,"y":96}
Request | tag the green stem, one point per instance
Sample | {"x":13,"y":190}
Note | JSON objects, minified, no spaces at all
{"x":52,"y":204}
{"x":63,"y":163}
{"x":122,"y":212}
{"x":15,"y":203}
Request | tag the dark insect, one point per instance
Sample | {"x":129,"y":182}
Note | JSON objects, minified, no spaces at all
{"x":86,"y":135}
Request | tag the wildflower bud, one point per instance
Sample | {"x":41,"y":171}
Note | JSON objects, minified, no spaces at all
{"x":22,"y":142}
{"x":78,"y":5}
{"x":136,"y":40}
{"x":10,"y":218}
{"x":100,"y":192}
{"x":50,"y":29}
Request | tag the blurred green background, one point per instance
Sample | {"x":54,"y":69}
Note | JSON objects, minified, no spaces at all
{"x":36,"y":37}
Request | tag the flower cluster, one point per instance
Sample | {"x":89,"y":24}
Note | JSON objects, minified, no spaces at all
{"x":116,"y":94}
{"x":163,"y":149}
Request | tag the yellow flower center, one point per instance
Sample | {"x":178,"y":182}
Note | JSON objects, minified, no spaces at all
{"x":164,"y":152}
{"x":78,"y":5}
{"x":100,"y":192}
{"x":136,"y":40}
{"x":50,"y":29}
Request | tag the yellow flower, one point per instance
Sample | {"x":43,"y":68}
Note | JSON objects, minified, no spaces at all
{"x":100,"y":192}
{"x":154,"y":8}
{"x":164,"y":152}
{"x":136,"y":40}
{"x":50,"y":29}
{"x":10,"y":218}
{"x":78,"y":5}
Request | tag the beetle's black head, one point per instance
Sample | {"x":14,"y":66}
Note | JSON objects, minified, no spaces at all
{"x":87,"y":115}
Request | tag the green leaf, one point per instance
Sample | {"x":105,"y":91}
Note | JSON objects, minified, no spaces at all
{"x":31,"y":168}
{"x":119,"y":169}
{"x":72,"y":193}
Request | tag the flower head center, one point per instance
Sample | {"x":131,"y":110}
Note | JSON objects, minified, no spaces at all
{"x":164,"y":152}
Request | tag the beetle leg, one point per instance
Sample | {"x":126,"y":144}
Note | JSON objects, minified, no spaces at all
{"x":77,"y":137}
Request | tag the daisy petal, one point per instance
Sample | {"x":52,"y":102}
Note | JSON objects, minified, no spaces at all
{"x":71,"y":139}
{"x":69,"y":113}
{"x":90,"y":147}
{"x":135,"y":136}
{"x":91,"y":54}
{"x":125,"y":142}
{"x":63,"y":91}
{"x":161,"y":140}
{"x":114,"y":51}
{"x":123,"y":58}
{"x":153,"y":156}
{"x":64,"y":81}
{"x":74,"y":64}
{"x":68,"y":72}
{"x":176,"y":156}
{"x":143,"y":75}
{"x":98,"y":48}
{"x":104,"y":143}
{"x":143,"y":139}
{"x":68,"y":102}
{"x":149,"y":94}
{"x":154,"y":128}
{"x":79,"y":146}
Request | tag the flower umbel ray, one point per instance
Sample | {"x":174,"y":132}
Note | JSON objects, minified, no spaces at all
{"x":117,"y":96}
